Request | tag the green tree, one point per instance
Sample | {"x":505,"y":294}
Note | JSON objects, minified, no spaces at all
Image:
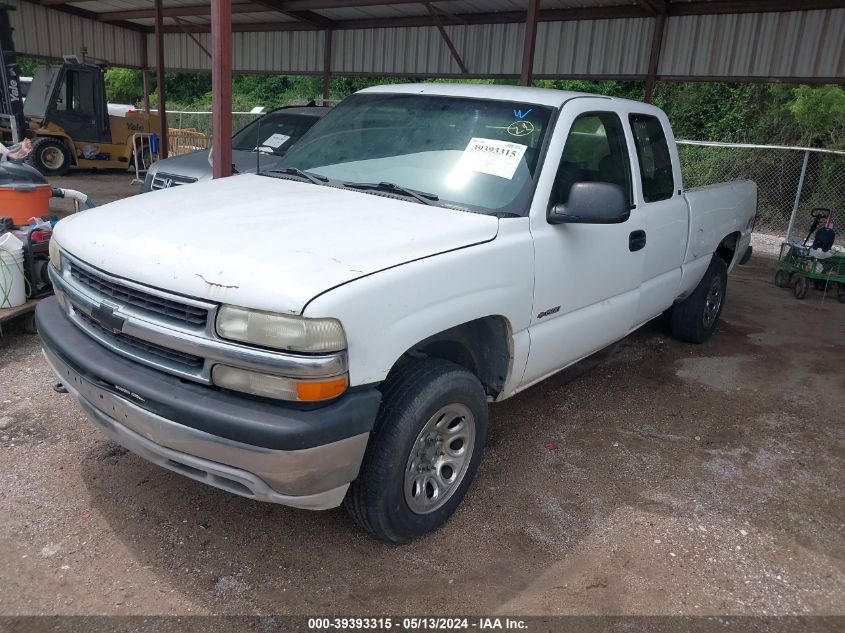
{"x":820,"y":113}
{"x":124,"y":85}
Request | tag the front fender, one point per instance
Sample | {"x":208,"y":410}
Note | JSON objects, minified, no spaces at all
{"x":387,"y":313}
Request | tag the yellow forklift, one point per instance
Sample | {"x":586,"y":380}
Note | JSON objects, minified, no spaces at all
{"x":66,"y":117}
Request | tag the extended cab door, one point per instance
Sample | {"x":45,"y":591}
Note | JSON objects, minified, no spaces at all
{"x":587,"y":276}
{"x":657,"y":186}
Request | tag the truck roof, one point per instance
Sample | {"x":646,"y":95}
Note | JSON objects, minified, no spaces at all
{"x":539,"y":96}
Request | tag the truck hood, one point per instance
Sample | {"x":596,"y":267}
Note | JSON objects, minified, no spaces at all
{"x":196,"y":165}
{"x":262,"y":242}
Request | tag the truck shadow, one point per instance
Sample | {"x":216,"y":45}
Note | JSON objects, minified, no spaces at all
{"x":609,"y":456}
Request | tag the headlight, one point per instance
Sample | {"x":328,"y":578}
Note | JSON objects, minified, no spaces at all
{"x":281,"y":331}
{"x":279,"y":387}
{"x":55,"y":254}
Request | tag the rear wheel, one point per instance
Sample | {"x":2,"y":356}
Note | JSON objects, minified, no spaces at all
{"x":782,"y":279}
{"x":694,"y":319}
{"x":50,"y":156}
{"x":143,"y":156}
{"x":802,"y":287}
{"x":424,"y":451}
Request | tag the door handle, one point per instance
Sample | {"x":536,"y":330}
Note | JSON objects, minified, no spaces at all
{"x":636,"y":241}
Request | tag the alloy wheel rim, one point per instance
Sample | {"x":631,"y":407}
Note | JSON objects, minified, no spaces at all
{"x":713,"y":302}
{"x":439,"y":458}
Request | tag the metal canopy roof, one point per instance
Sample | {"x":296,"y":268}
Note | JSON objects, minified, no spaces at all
{"x":778,"y":40}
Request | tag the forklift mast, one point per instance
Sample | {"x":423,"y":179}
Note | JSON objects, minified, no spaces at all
{"x":11,"y":102}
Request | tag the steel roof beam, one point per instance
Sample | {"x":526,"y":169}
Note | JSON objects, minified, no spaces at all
{"x":448,"y":40}
{"x":90,"y":15}
{"x":547,"y":15}
{"x":303,"y":15}
{"x":177,"y":12}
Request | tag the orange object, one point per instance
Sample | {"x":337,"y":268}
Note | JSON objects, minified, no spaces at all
{"x":22,"y":202}
{"x":321,"y":390}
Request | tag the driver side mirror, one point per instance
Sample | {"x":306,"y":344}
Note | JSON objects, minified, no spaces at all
{"x":592,"y":203}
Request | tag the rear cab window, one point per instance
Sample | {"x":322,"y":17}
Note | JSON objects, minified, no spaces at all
{"x":654,"y":158}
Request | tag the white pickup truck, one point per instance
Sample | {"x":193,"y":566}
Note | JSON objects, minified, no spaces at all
{"x":333,"y":331}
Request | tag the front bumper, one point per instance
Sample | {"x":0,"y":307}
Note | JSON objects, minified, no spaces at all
{"x":303,"y":458}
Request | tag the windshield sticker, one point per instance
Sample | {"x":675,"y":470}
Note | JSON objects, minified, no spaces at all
{"x":276,"y":140}
{"x":520,"y":128}
{"x":489,"y":156}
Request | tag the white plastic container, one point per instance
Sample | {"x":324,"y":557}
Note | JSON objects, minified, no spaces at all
{"x":12,"y":284}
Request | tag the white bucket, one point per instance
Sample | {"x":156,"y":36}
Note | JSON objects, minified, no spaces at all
{"x":12,"y":284}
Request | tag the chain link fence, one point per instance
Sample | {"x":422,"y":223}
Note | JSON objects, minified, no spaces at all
{"x":791,"y":181}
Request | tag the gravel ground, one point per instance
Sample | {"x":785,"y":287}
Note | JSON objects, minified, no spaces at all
{"x":655,"y":478}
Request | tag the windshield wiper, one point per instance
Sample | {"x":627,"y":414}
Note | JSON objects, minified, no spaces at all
{"x":317,"y":179}
{"x":420,"y":196}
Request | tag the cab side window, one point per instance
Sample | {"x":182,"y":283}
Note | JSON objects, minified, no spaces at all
{"x":654,"y":157}
{"x":595,"y":151}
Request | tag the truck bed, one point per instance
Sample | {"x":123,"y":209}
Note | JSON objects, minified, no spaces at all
{"x":716,"y":211}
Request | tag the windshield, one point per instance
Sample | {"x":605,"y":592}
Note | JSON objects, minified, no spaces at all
{"x":475,"y":153}
{"x":275,"y":132}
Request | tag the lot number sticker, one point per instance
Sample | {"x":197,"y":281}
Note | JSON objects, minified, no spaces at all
{"x":489,"y":156}
{"x":276,"y":140}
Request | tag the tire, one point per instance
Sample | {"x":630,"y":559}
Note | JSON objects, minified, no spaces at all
{"x":801,"y":288}
{"x":782,"y":279}
{"x":146,"y":156}
{"x":50,"y":156}
{"x":393,"y":497}
{"x":695,"y":318}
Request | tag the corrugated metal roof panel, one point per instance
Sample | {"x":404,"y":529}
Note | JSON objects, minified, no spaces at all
{"x":422,"y":51}
{"x":489,"y":49}
{"x":40,"y":32}
{"x":591,"y":47}
{"x":801,"y":44}
{"x":273,"y":52}
{"x":798,"y":44}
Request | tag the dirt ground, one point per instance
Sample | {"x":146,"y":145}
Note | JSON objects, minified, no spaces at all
{"x":655,"y":478}
{"x":101,"y":186}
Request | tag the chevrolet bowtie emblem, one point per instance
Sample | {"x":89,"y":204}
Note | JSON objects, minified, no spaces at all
{"x":104,"y":315}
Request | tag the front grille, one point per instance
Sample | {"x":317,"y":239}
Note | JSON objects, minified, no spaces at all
{"x":150,"y":349}
{"x":164,"y":181}
{"x":174,"y":311}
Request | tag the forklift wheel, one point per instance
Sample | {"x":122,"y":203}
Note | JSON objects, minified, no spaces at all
{"x":50,"y":156}
{"x":782,"y":279}
{"x":802,"y":287}
{"x":29,"y":323}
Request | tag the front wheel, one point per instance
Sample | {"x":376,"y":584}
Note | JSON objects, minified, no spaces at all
{"x":423,"y":453}
{"x":50,"y":156}
{"x":694,"y":319}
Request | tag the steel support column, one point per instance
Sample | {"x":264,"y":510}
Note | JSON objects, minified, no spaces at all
{"x":221,"y":88}
{"x":530,"y":39}
{"x":327,"y":67}
{"x":162,"y":99}
{"x":145,"y":74}
{"x":654,"y":57}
